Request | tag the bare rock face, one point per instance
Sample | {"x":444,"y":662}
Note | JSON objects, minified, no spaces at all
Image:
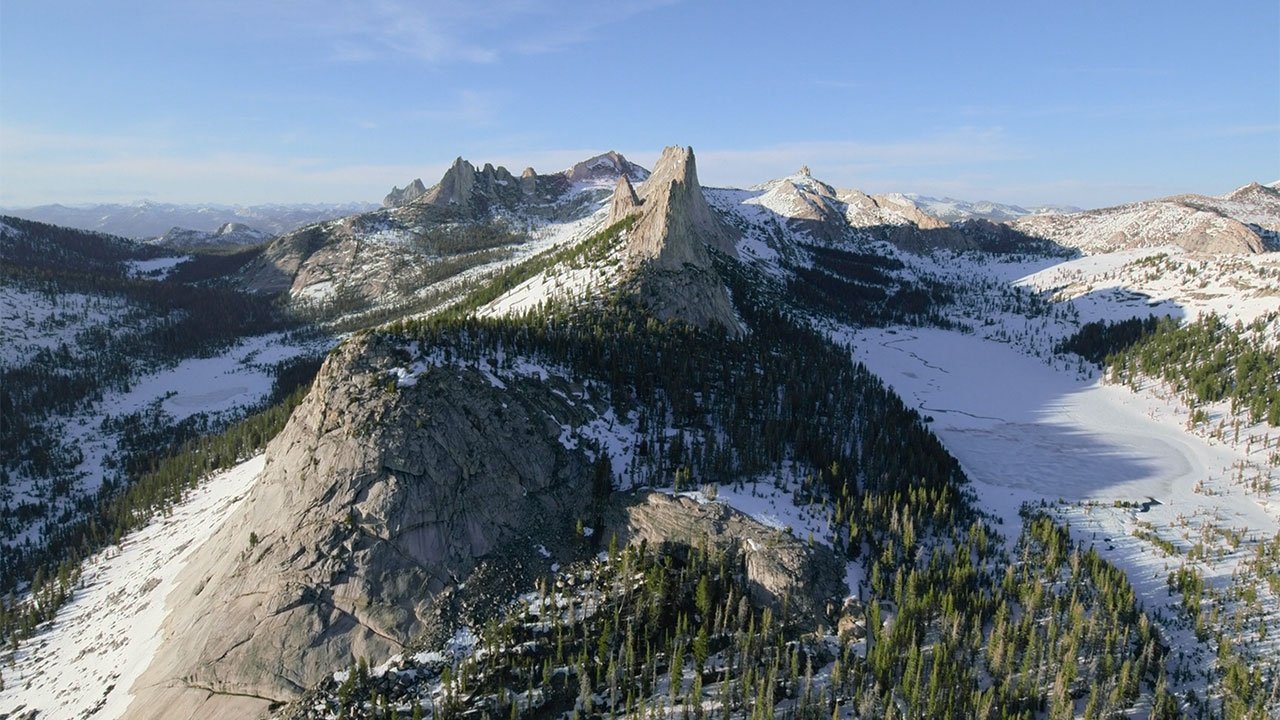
{"x":528,"y":181}
{"x":398,"y":197}
{"x":624,"y":203}
{"x":375,"y":503}
{"x":782,"y":571}
{"x":677,"y":221}
{"x":606,"y":166}
{"x":456,"y":187}
{"x":667,"y":247}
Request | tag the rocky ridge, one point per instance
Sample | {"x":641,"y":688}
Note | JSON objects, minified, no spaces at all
{"x":392,"y":254}
{"x":1244,"y":221}
{"x":403,"y":196}
{"x":230,"y":234}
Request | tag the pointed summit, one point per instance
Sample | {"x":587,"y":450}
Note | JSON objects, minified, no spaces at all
{"x":528,"y":181}
{"x":677,"y":221}
{"x":605,"y":166}
{"x":625,"y":202}
{"x":456,"y":185}
{"x":668,"y":245}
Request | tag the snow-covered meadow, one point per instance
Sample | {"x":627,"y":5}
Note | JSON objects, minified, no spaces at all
{"x":1121,"y":465}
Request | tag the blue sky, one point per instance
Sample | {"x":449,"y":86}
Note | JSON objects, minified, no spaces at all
{"x":1086,"y":103}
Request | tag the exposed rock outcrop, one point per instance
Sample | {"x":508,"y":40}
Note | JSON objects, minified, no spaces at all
{"x":376,"y":502}
{"x":813,"y":208}
{"x":624,"y":202}
{"x":1192,"y":222}
{"x":667,"y":247}
{"x":528,"y":181}
{"x":781,"y":570}
{"x":398,"y":197}
{"x":606,"y":166}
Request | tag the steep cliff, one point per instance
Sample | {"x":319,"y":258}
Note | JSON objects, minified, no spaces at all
{"x":667,"y":247}
{"x":378,"y":501}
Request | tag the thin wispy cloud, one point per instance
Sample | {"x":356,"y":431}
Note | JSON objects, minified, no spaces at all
{"x":439,"y":32}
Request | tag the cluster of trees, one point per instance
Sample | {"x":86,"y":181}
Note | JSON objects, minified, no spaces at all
{"x":675,"y":632}
{"x":1207,"y":360}
{"x":859,"y":288}
{"x":466,"y":237}
{"x":1099,"y":340}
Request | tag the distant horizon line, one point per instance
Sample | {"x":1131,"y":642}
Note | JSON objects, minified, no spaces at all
{"x":374,"y":203}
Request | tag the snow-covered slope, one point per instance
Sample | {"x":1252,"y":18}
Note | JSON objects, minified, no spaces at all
{"x":1244,"y":221}
{"x":84,"y":664}
{"x":952,"y":210}
{"x":229,"y":234}
{"x":1122,"y":465}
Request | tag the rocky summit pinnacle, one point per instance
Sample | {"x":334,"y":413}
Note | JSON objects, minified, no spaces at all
{"x":677,"y":221}
{"x":399,"y":197}
{"x":625,"y":202}
{"x":668,"y":244}
{"x":604,"y":166}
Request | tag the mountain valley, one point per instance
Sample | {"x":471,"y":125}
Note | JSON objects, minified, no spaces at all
{"x":606,"y":442}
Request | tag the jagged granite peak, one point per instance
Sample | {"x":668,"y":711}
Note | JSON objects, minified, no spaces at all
{"x":625,"y":202}
{"x":399,"y":197}
{"x":677,"y":221}
{"x":455,"y":187}
{"x":377,"y":504}
{"x":667,"y":246}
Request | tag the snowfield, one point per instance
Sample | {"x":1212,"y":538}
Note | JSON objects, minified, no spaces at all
{"x":84,"y":663}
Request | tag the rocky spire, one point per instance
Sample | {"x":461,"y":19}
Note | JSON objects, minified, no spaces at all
{"x":398,"y":197}
{"x":677,"y":221}
{"x":528,"y":181}
{"x":456,"y":185}
{"x":668,"y":244}
{"x":625,"y":201}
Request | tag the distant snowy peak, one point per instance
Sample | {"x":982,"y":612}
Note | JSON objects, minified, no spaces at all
{"x":952,"y":210}
{"x":607,"y":168}
{"x":149,"y":219}
{"x":230,"y":234}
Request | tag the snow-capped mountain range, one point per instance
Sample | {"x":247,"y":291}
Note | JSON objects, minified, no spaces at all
{"x":952,"y":210}
{"x":146,"y":219}
{"x":436,"y":468}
